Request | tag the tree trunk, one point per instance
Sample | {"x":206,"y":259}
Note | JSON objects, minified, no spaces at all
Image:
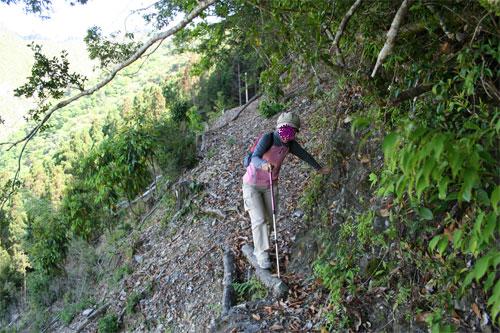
{"x":228,"y":296}
{"x":278,"y":288}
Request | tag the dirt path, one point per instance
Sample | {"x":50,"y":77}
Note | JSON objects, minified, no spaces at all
{"x":178,"y":269}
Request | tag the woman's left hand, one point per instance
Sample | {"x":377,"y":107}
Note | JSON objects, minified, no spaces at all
{"x":325,"y":170}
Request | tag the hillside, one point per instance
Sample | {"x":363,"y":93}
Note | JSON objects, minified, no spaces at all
{"x":79,"y":117}
{"x":128,"y":213}
{"x":177,"y":261}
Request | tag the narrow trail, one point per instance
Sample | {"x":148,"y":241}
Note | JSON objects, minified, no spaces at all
{"x":179,"y":266}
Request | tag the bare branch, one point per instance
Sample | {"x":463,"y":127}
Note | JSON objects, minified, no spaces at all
{"x":391,"y":34}
{"x":341,"y":29}
{"x":446,"y":31}
{"x":133,"y":12}
{"x":478,"y":28}
{"x":410,"y":93}
{"x":146,"y":57}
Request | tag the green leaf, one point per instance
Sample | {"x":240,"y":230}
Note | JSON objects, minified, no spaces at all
{"x":495,"y":197}
{"x":401,"y":185}
{"x":438,"y":145}
{"x":457,"y":238}
{"x":482,"y":197}
{"x":473,"y":245}
{"x":478,"y":223}
{"x":481,"y":266}
{"x":443,"y":186}
{"x":470,"y":177}
{"x":434,"y":241}
{"x":359,"y":123}
{"x":494,"y":301}
{"x":468,"y":279}
{"x":425,"y":213}
{"x":495,"y":255}
{"x":422,"y":183}
{"x":456,"y":160}
{"x":443,"y":244}
{"x":489,"y":229}
{"x":489,"y":281}
{"x":389,"y":143}
{"x":373,"y":179}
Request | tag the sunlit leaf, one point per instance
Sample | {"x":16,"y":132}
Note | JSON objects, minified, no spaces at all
{"x":389,"y":143}
{"x":481,"y":266}
{"x":434,"y":241}
{"x":425,"y":213}
{"x":495,"y":197}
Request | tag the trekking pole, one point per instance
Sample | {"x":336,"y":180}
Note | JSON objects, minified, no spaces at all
{"x":274,"y":223}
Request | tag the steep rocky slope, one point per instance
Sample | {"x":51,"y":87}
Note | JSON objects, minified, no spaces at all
{"x":178,"y":265}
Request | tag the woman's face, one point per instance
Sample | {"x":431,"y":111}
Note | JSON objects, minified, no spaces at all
{"x":286,"y":133}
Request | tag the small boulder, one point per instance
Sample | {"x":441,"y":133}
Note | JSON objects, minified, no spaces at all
{"x":380,"y":224}
{"x":87,"y":312}
{"x":139,"y":259}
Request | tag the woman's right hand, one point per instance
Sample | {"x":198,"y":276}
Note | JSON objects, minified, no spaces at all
{"x":267,"y":167}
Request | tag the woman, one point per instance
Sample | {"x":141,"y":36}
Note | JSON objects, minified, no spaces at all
{"x":268,"y":155}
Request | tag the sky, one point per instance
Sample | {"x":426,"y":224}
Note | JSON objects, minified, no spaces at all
{"x":68,"y":21}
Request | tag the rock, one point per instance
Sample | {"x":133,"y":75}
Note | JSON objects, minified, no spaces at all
{"x":380,"y":224}
{"x":139,"y":259}
{"x":485,"y":320}
{"x":87,"y":312}
{"x":298,"y":213}
{"x":379,"y":316}
{"x":308,"y":326}
{"x":368,"y":265}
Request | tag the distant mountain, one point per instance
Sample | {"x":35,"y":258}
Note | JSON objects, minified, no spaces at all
{"x":15,"y":66}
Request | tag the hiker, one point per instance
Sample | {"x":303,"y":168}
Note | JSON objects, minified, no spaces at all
{"x":270,"y":151}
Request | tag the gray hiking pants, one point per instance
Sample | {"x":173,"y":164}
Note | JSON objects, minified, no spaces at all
{"x":257,"y":201}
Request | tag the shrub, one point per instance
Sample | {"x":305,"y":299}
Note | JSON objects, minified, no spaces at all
{"x":250,"y":290}
{"x":268,"y":108}
{"x":41,"y":293}
{"x":71,"y":310}
{"x":132,"y":301}
{"x":121,"y":272}
{"x":179,"y":110}
{"x":108,"y":324}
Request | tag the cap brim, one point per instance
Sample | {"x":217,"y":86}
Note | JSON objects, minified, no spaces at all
{"x":287,"y":124}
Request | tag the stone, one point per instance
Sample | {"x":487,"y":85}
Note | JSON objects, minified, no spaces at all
{"x":87,"y":312}
{"x":380,"y":224}
{"x":368,"y":265}
{"x":298,"y":213}
{"x":139,"y":259}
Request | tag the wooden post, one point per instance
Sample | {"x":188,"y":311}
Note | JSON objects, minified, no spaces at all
{"x":246,"y":88}
{"x":239,"y":83}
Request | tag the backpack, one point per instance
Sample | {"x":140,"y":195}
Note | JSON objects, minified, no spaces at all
{"x":248,"y":156}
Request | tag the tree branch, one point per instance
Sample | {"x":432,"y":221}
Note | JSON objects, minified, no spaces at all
{"x":391,"y":34}
{"x":341,"y":29}
{"x":410,"y":93}
{"x":158,"y":37}
{"x":443,"y":26}
{"x":202,"y":5}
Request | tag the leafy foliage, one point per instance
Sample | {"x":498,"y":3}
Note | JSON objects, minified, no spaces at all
{"x":107,"y":51}
{"x":39,"y":6}
{"x":268,"y":108}
{"x":108,"y":324}
{"x":250,"y":290}
{"x":50,"y":78}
